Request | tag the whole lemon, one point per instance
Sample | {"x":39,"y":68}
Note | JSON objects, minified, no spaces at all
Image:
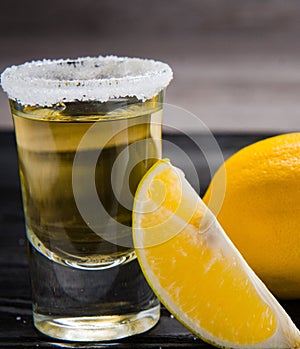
{"x":260,"y":211}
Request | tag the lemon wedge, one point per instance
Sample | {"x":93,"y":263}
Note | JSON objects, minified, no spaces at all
{"x":197,"y":272}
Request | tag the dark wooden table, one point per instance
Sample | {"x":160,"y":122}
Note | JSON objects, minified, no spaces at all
{"x":16,"y":327}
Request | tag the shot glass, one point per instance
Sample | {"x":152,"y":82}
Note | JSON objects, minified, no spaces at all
{"x":87,"y":130}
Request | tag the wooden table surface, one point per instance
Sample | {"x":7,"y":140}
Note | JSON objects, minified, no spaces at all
{"x":16,"y":327}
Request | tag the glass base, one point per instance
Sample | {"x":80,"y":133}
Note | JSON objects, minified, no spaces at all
{"x":96,"y":328}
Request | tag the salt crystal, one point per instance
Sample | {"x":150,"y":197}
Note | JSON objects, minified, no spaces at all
{"x":49,"y":82}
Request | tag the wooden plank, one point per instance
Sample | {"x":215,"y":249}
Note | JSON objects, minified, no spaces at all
{"x":16,"y":327}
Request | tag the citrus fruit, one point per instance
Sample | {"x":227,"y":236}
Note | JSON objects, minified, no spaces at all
{"x":196,"y":271}
{"x":260,"y":211}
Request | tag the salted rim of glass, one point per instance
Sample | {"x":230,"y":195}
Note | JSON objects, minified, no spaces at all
{"x":48,"y":82}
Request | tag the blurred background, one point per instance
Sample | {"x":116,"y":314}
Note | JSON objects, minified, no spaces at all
{"x":236,"y":63}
